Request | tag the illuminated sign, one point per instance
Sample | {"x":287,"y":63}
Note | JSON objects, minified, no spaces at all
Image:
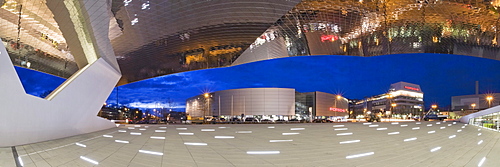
{"x":337,"y":109}
{"x":412,"y":88}
{"x":329,"y":38}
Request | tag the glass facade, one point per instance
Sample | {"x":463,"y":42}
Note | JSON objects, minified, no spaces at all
{"x":154,"y":38}
{"x":489,"y":121}
{"x":33,"y":38}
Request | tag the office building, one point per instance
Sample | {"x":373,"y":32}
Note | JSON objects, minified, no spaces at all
{"x":402,"y":100}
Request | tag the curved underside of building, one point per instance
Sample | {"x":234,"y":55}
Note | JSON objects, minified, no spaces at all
{"x":149,"y":39}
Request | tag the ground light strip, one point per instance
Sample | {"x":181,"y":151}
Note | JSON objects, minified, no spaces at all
{"x":107,"y":136}
{"x":340,"y":129}
{"x":163,"y":127}
{"x":243,"y":131}
{"x":121,"y":141}
{"x":343,"y":134}
{"x":274,"y":141}
{"x":394,"y":123}
{"x":351,"y":141}
{"x":262,"y":152}
{"x":135,"y":133}
{"x":186,"y":133}
{"x":89,"y":160}
{"x":359,"y":155}
{"x":207,"y":130}
{"x":404,"y":125}
{"x":122,"y":131}
{"x":381,"y":128}
{"x":435,"y":149}
{"x":393,"y":133}
{"x":481,"y":162}
{"x":80,"y":144}
{"x":410,"y":139}
{"x":481,"y":141}
{"x":297,"y":128}
{"x":157,"y":137}
{"x":452,"y":136}
{"x":290,"y":133}
{"x":336,"y":126}
{"x":224,"y":137}
{"x":160,"y":131}
{"x":181,"y":128}
{"x":270,"y":127}
{"x":150,"y":152}
{"x":195,"y":144}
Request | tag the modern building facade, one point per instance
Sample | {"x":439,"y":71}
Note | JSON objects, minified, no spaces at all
{"x":267,"y":103}
{"x":402,"y":100}
{"x":321,"y":105}
{"x":488,"y":118}
{"x":475,"y":102}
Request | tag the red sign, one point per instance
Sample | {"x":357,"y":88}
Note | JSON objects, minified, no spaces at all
{"x":412,"y":88}
{"x":336,"y":109}
{"x":329,"y":38}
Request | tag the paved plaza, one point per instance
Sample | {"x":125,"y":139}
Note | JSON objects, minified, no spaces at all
{"x":321,"y":144}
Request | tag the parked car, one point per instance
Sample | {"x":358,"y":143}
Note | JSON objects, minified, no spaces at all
{"x":373,"y":116}
{"x":267,"y":121}
{"x":251,"y":119}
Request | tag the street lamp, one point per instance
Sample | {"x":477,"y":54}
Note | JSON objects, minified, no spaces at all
{"x":393,"y":105}
{"x":207,"y":97}
{"x":335,"y":112}
{"x":473,"y":105}
{"x":434,"y":106}
{"x":489,"y":98}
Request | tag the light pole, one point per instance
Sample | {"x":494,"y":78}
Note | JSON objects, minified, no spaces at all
{"x":489,"y":98}
{"x":393,"y":105}
{"x":389,"y":101}
{"x":473,"y":105}
{"x":207,"y":98}
{"x":335,"y":112}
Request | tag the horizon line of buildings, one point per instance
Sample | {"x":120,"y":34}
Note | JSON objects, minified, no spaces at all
{"x":401,"y":100}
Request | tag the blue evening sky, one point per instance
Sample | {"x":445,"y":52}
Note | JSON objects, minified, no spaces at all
{"x":37,"y":83}
{"x":440,"y":76}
